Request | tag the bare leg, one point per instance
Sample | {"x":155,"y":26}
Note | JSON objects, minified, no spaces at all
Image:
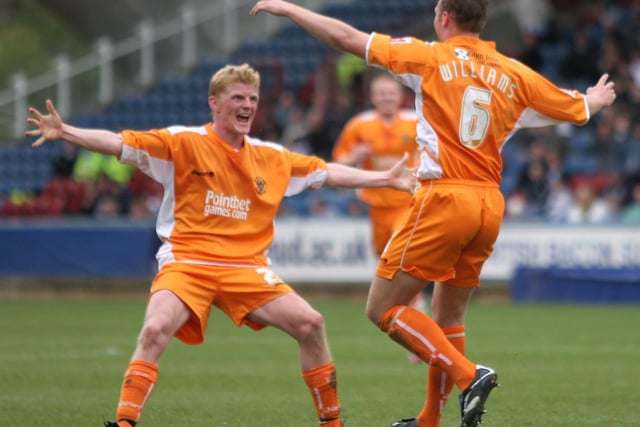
{"x":295,"y":316}
{"x":165,"y":314}
{"x":292,"y":314}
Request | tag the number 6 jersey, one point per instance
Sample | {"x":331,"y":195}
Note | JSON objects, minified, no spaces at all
{"x":470,"y":100}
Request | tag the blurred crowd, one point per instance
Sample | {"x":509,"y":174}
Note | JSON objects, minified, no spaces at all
{"x":588,"y":174}
{"x":562,"y":174}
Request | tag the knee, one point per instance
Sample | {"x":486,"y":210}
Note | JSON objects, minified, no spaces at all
{"x":372,"y":314}
{"x":376,"y":311}
{"x":312,"y":325}
{"x":154,"y":334}
{"x":384,"y":318}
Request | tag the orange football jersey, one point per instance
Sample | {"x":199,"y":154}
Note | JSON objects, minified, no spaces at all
{"x":387,"y":144}
{"x":470,"y":100}
{"x":219,"y":204}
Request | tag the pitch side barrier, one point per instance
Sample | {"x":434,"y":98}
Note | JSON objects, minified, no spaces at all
{"x":332,"y":251}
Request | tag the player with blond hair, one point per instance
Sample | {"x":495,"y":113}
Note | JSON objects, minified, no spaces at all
{"x":222,"y":190}
{"x":470,"y":100}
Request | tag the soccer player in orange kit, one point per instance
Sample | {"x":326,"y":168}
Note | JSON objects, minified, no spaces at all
{"x":222,"y":190}
{"x":375,"y":139}
{"x":470,"y":100}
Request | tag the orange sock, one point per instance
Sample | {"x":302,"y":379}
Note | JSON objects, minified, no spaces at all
{"x":324,"y":390}
{"x":439,"y":385}
{"x":137,"y":385}
{"x":418,"y":333}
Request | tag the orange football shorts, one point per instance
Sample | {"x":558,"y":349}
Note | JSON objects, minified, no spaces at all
{"x":384,"y":222}
{"x":449,"y":233}
{"x":237,"y":291}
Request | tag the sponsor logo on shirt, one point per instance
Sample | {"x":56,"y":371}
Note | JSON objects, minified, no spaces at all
{"x":462,"y":54}
{"x":220,"y":204}
{"x":401,"y":40}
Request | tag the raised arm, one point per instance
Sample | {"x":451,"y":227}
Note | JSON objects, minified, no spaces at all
{"x":601,"y":95}
{"x":50,"y":127}
{"x":335,"y":33}
{"x":399,"y":176}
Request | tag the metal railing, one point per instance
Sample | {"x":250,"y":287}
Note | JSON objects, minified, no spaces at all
{"x":135,"y":63}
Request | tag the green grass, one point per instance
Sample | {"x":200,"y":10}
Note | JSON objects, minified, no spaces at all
{"x":62,"y":360}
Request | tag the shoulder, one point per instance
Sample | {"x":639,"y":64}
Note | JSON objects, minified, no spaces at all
{"x":265,"y":145}
{"x":179,"y":129}
{"x":398,"y":43}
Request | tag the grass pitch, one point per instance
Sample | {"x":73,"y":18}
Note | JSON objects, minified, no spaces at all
{"x":62,"y":360}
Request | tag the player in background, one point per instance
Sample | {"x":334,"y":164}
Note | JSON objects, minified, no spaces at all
{"x":470,"y":100}
{"x":222,"y":190}
{"x":375,"y":139}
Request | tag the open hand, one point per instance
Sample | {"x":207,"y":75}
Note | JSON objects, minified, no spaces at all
{"x":403,"y":178}
{"x":49,"y":127}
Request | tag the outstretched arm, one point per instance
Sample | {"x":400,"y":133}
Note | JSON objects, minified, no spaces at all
{"x":601,"y":95}
{"x":337,"y":34}
{"x":50,"y":127}
{"x":398,"y":177}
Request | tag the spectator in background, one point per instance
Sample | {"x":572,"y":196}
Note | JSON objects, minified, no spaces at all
{"x":631,"y":213}
{"x":631,"y":165}
{"x":532,"y":184}
{"x":559,"y":200}
{"x":90,"y":166}
{"x":350,"y":72}
{"x":554,"y":166}
{"x":533,"y":20}
{"x":107,"y":182}
{"x":106,"y":207}
{"x":587,"y":207}
{"x":139,"y":209}
{"x":64,"y":163}
{"x":339,"y":109}
{"x":280,"y":112}
{"x":621,"y":140}
{"x":318,"y":137}
{"x":535,"y":189}
{"x":600,"y":141}
{"x":532,"y":17}
{"x":295,"y":135}
{"x":331,"y":107}
{"x":106,"y":198}
{"x":579,"y":65}
{"x":614,"y":202}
